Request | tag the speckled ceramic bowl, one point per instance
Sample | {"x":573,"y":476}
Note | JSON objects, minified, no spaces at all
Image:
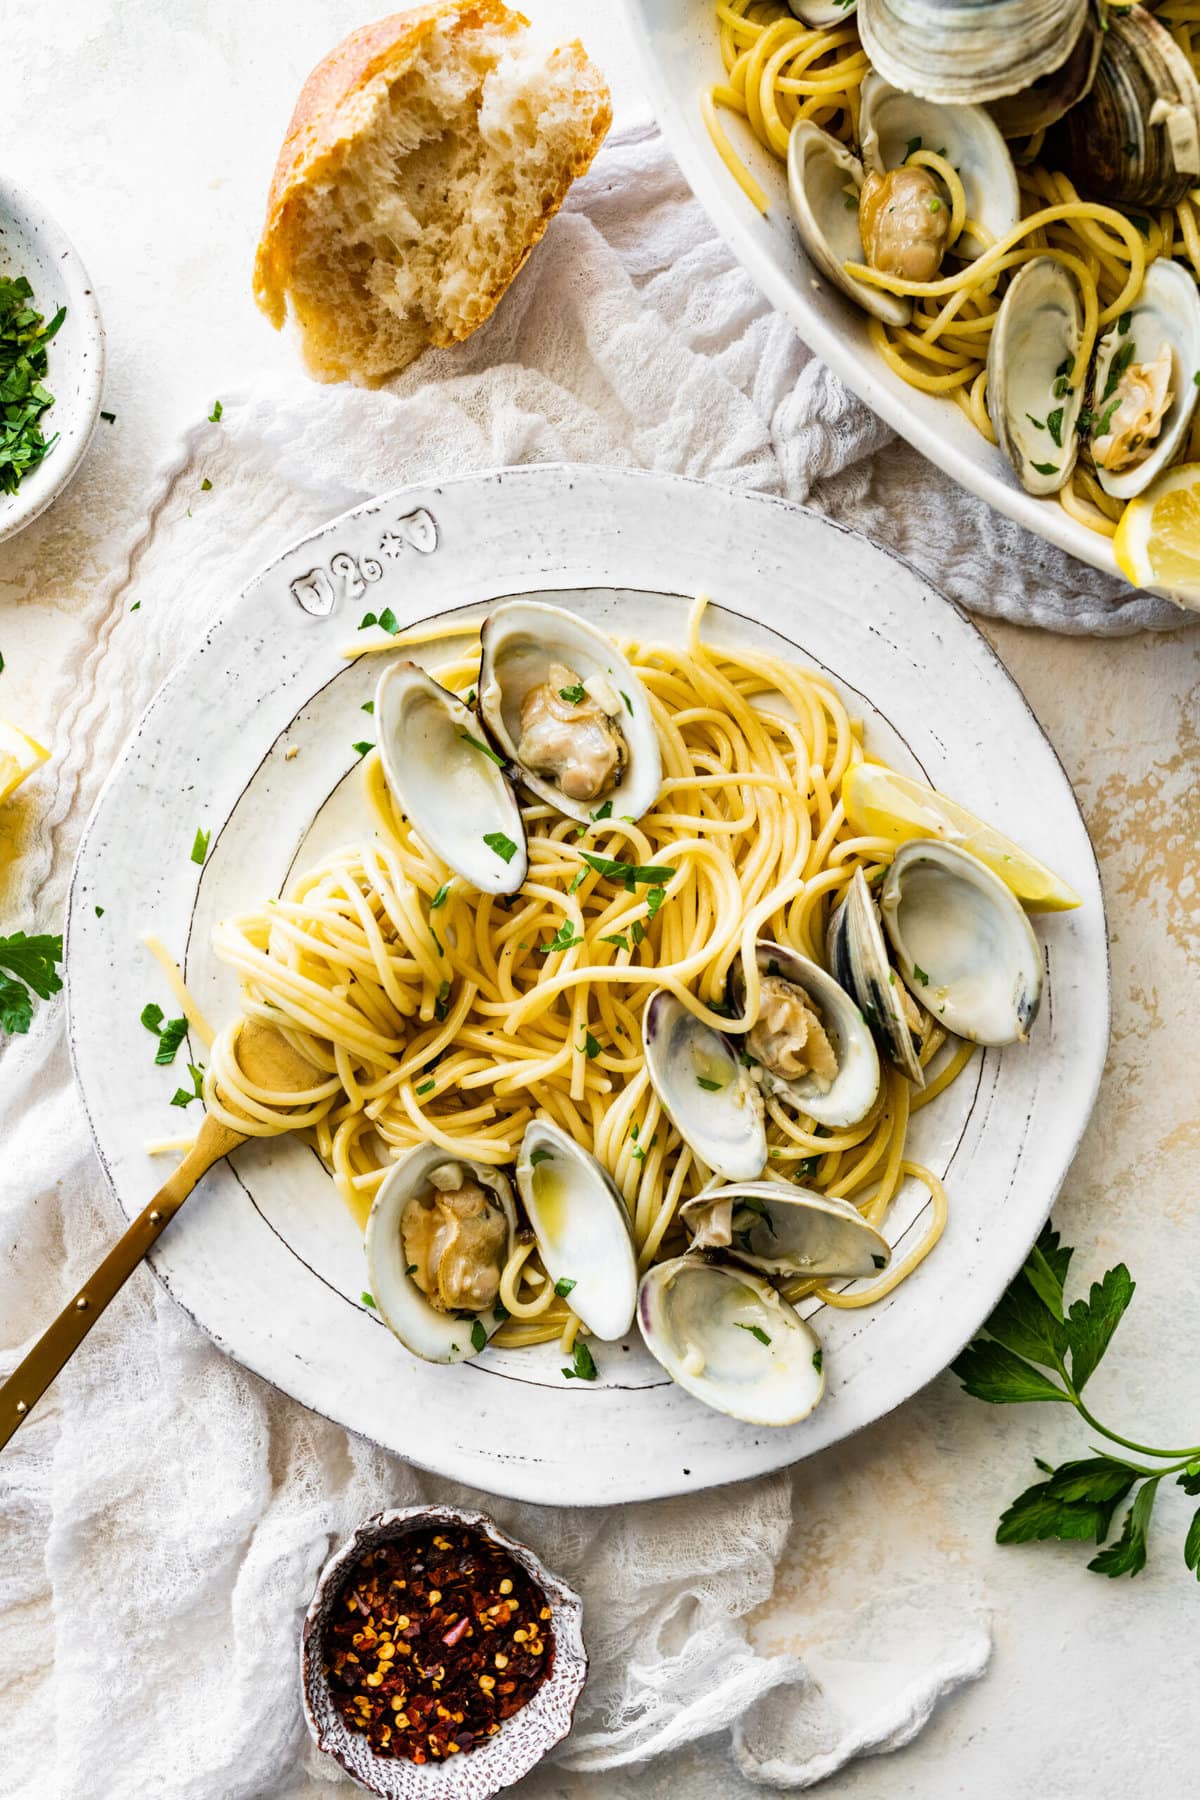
{"x":521,"y":1742}
{"x":34,"y":245}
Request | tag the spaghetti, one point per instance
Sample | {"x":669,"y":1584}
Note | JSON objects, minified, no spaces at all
{"x":441,"y":1014}
{"x":779,"y":70}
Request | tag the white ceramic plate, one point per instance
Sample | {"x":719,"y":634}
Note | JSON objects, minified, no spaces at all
{"x":34,"y":245}
{"x":265,"y":1257}
{"x":680,"y":55}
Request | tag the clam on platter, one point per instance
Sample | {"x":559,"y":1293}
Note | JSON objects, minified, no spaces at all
{"x":269,"y":1261}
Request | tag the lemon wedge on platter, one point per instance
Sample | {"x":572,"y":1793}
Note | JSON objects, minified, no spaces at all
{"x":1157,"y":542}
{"x":20,"y":755}
{"x":881,"y":803}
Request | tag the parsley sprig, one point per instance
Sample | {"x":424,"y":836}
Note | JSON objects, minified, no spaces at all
{"x":1031,"y":1331}
{"x":27,"y":963}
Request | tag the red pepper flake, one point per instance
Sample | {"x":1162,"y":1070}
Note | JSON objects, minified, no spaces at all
{"x":434,"y":1640}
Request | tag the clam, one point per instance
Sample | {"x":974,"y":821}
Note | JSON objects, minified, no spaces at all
{"x":565,"y":708}
{"x":810,"y":1043}
{"x":962,"y":942}
{"x":859,"y":960}
{"x":725,"y":1335}
{"x":822,"y":12}
{"x":1144,"y":382}
{"x":1045,"y":100}
{"x":965,"y":52}
{"x":781,"y":1229}
{"x":581,"y":1225}
{"x":447,"y":781}
{"x":1033,"y":408}
{"x":1135,"y":136}
{"x":824,"y":182}
{"x":893,"y":124}
{"x":710,"y":1097}
{"x":438,"y":1236}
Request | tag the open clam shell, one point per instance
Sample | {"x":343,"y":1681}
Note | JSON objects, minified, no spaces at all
{"x":965,"y":52}
{"x":783,"y":1229}
{"x":852,"y":1092}
{"x":725,"y":1335}
{"x":523,"y":641}
{"x":859,"y":960}
{"x":1033,"y":409}
{"x":892,"y":122}
{"x":962,"y":942}
{"x":1163,"y":322}
{"x":447,"y":781}
{"x":710,"y":1098}
{"x":824,"y":179}
{"x":495,"y":1763}
{"x":581,"y":1225}
{"x":425,"y":1329}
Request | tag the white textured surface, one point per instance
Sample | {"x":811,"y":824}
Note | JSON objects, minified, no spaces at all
{"x":160,"y":181}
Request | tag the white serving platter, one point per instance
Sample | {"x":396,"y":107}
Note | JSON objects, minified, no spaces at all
{"x":678,"y":48}
{"x":265,"y":1257}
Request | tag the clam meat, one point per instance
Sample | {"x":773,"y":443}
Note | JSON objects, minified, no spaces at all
{"x":1144,"y":387}
{"x":438,"y":1236}
{"x":809,"y":1044}
{"x":781,"y":1229}
{"x":559,"y":702}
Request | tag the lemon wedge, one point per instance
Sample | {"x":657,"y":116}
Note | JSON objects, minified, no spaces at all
{"x":20,"y":755}
{"x":880,"y":803}
{"x":1157,"y":543}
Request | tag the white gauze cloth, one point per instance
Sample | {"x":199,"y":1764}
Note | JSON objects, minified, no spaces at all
{"x":164,"y":1514}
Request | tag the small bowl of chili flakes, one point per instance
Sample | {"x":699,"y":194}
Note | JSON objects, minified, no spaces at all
{"x":440,"y":1659}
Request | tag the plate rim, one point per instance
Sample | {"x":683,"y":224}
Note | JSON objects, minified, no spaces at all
{"x":1053,"y":526}
{"x":505,"y":1477}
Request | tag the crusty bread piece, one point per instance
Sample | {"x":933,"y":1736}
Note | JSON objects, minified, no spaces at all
{"x":425,"y":158}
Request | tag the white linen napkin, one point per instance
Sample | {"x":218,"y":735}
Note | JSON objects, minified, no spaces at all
{"x":164,"y":1514}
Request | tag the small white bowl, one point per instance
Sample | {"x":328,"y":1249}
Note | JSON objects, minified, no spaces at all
{"x":34,"y":245}
{"x":521,"y":1741}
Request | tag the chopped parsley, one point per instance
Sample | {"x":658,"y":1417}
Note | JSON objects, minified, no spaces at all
{"x":1117,"y":368}
{"x":200,"y":845}
{"x":503,"y":846}
{"x":478,"y":1335}
{"x":637,"y":932}
{"x":1046,"y":468}
{"x":879,"y":1261}
{"x":1054,"y":425}
{"x":818,"y":1358}
{"x":206,"y":486}
{"x":710,"y":1087}
{"x":109,"y":418}
{"x":574,"y":696}
{"x":362,"y":747}
{"x":367,"y":1299}
{"x":169,"y":1040}
{"x":439,"y":899}
{"x":99,"y":912}
{"x":368,"y":706}
{"x":1123,"y":323}
{"x":426,"y":1087}
{"x":920,"y":975}
{"x":368,"y":619}
{"x":214,"y":417}
{"x":1038,"y":424}
{"x":628,"y":702}
{"x":617,"y":938}
{"x":583,"y":1367}
{"x":565,"y":938}
{"x":563,"y":1286}
{"x":578,"y":882}
{"x":654,"y":900}
{"x":389,"y":622}
{"x":441,"y":1005}
{"x":478,"y":744}
{"x":539,"y":1156}
{"x":410,"y":1269}
{"x":31,"y":963}
{"x":756,"y":1331}
{"x":602,"y":812}
{"x":181,"y":1096}
{"x":24,"y":397}
{"x":1061,"y":386}
{"x":590,"y":1045}
{"x":630,"y":873}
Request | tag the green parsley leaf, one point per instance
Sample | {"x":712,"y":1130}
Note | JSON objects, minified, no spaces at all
{"x":1091,"y":1322}
{"x":879,"y":1261}
{"x":629,"y":702}
{"x":389,"y":622}
{"x":24,"y":396}
{"x":1117,"y":367}
{"x":1123,"y":323}
{"x":637,"y":932}
{"x":1077,"y":1502}
{"x":540,"y":1156}
{"x":590,"y":1046}
{"x":629,"y":873}
{"x":710,"y":1087}
{"x":578,"y":882}
{"x":602,"y":812}
{"x":200,"y":845}
{"x":214,"y":417}
{"x":426,"y":1087}
{"x":1046,"y":468}
{"x":362,"y":747}
{"x":181,"y":1096}
{"x":478,"y":1335}
{"x":574,"y":696}
{"x":503,"y":846}
{"x":1038,"y":424}
{"x":756,"y":1331}
{"x":992,"y":1372}
{"x":16,"y":1007}
{"x":478,"y":744}
{"x":1191,"y":1545}
{"x":584,"y":1368}
{"x":206,"y":486}
{"x":109,"y":418}
{"x":1128,"y":1555}
{"x":1054,"y":425}
{"x":1061,"y":387}
{"x":367,"y":1299}
{"x":654,"y":900}
{"x":818,"y":1359}
{"x":439,"y":899}
{"x":563,"y":1286}
{"x":368,"y":706}
{"x":169,"y":1040}
{"x":411,"y":1269}
{"x":152,"y":1017}
{"x":368,"y":619}
{"x":441,"y":1005}
{"x":99,"y":911}
{"x":565,"y":938}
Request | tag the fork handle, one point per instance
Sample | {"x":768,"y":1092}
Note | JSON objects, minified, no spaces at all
{"x":33,"y":1375}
